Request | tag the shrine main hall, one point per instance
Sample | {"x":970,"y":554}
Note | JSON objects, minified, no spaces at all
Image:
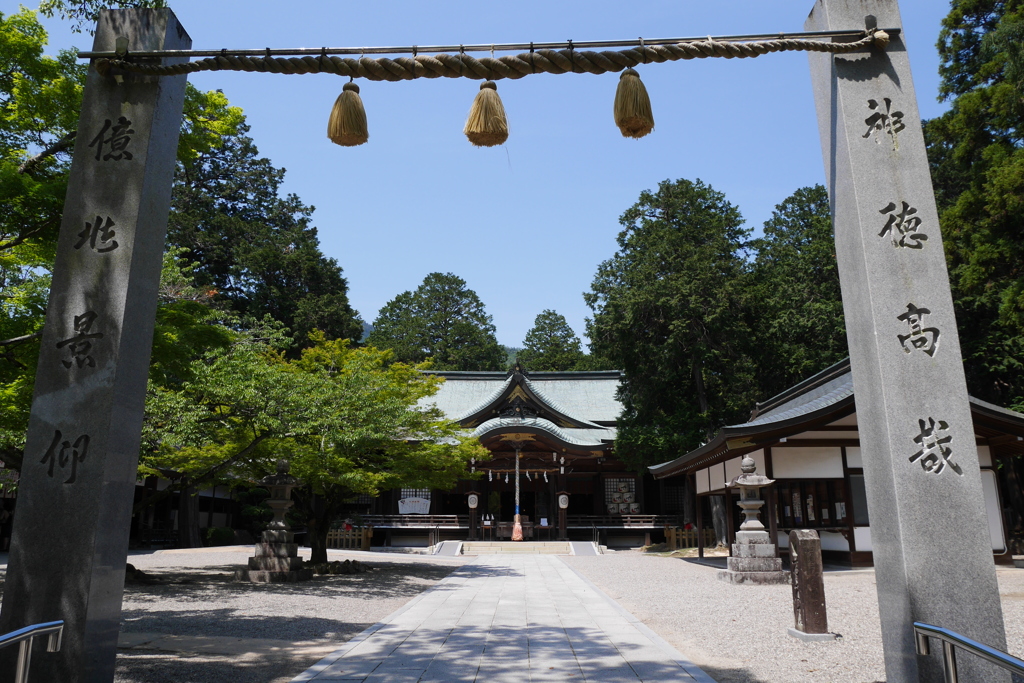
{"x":562,"y":425}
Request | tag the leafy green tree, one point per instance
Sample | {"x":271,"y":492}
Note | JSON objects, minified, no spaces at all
{"x":978,"y":171}
{"x":255,"y":248}
{"x":39,"y":101}
{"x":977,"y":163}
{"x":239,"y":402}
{"x":84,"y":13}
{"x":378,"y":438}
{"x":551,"y":344}
{"x":346,"y":418}
{"x":793,"y":300}
{"x":668,"y":311}
{"x":444,"y":321}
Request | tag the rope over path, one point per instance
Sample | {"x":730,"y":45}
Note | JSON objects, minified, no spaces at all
{"x":494,"y":69}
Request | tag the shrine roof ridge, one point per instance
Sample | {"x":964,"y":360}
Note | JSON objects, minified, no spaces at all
{"x":502,"y":375}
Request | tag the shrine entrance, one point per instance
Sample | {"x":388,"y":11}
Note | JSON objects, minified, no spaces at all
{"x":69,"y":540}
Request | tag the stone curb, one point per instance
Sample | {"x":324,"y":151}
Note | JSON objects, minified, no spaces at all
{"x":813,"y":637}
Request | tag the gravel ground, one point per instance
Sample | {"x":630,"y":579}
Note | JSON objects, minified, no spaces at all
{"x":680,"y":600}
{"x":737,"y":634}
{"x":200,"y":599}
{"x":197,"y":598}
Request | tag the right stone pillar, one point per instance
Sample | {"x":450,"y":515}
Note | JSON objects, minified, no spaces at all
{"x":929,"y":530}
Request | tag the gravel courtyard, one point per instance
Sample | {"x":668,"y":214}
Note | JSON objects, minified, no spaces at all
{"x":198,"y":626}
{"x":737,"y":634}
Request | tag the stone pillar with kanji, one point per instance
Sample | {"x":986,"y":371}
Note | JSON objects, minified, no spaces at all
{"x":70,"y":538}
{"x":929,"y":530}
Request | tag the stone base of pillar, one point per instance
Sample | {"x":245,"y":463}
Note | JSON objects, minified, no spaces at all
{"x":754,"y":561}
{"x":277,"y":560}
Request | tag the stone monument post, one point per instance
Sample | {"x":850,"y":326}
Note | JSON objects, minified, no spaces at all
{"x":70,"y":538}
{"x":808,"y":579}
{"x":929,"y":531}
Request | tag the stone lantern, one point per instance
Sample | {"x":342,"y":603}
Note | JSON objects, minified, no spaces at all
{"x":277,"y":555}
{"x":750,"y":483}
{"x":753,"y":554}
{"x":280,"y":485}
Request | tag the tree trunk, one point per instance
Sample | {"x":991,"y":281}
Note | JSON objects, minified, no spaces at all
{"x":702,"y":396}
{"x":718,"y":519}
{"x":188,"y":517}
{"x":689,"y":501}
{"x":319,"y":525}
{"x":1013,"y":497}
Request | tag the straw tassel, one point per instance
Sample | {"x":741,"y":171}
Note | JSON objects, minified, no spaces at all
{"x":486,"y":125}
{"x":633,"y":106}
{"x":347,"y":126}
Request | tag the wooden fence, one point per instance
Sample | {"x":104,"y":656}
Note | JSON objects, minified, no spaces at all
{"x":356,"y":539}
{"x":687,"y":538}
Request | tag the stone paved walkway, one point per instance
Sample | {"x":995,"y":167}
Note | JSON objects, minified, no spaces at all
{"x":508,"y":618}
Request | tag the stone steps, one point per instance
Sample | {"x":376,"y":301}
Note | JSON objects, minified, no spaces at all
{"x":515,"y":548}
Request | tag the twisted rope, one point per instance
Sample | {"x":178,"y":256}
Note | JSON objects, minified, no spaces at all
{"x":489,"y":68}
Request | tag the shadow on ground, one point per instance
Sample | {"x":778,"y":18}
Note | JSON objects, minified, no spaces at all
{"x":161,"y":667}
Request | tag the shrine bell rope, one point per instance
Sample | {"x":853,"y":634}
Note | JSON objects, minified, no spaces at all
{"x":486,"y":125}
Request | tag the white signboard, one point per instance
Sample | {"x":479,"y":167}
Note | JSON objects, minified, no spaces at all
{"x":414,"y":506}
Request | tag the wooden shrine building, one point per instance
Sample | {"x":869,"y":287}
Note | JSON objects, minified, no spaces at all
{"x":563,"y":425}
{"x":806,"y":439}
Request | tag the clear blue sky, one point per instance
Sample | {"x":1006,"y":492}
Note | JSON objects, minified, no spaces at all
{"x":527,"y":223}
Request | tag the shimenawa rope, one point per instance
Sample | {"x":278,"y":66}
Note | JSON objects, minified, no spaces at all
{"x":493,"y":69}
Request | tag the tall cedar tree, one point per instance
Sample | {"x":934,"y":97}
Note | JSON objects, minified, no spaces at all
{"x":443,"y":320}
{"x":255,"y":248}
{"x":793,"y":300}
{"x":668,"y":311}
{"x":551,"y":344}
{"x":977,"y":161}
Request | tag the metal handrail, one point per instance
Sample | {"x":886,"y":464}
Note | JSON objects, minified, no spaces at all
{"x":952,"y":640}
{"x":24,"y":637}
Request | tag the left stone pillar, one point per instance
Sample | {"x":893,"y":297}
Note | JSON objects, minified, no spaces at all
{"x":70,"y":538}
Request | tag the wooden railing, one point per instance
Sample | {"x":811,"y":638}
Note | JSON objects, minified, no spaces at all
{"x":677,"y":538}
{"x":462,"y":521}
{"x":417,"y":521}
{"x":617,"y":521}
{"x":357,"y":538}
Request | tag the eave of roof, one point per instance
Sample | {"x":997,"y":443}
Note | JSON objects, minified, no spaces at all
{"x":743,"y":438}
{"x":818,"y":400}
{"x":540,"y":426}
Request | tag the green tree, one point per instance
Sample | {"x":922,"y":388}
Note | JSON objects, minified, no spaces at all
{"x":444,"y":321}
{"x":977,"y":163}
{"x":793,"y":300}
{"x":346,"y":418}
{"x":978,"y":171}
{"x":551,"y":344}
{"x":84,"y":13}
{"x":39,"y":101}
{"x":377,"y":438}
{"x":668,"y":311}
{"x":255,"y":248}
